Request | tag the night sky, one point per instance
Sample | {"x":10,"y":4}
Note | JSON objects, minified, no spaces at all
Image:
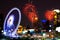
{"x":41,"y":6}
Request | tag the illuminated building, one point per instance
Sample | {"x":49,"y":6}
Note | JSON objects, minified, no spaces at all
{"x":20,"y":29}
{"x":57,"y":17}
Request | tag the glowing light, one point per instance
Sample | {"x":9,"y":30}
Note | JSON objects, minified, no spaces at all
{"x":4,"y":33}
{"x":44,"y":35}
{"x":13,"y":34}
{"x":10,"y":21}
{"x":31,"y":30}
{"x":57,"y":10}
{"x":55,"y":16}
{"x":25,"y":31}
{"x":58,"y":29}
{"x":20,"y":28}
{"x":44,"y":21}
{"x":49,"y":30}
{"x":36,"y":18}
{"x":50,"y":25}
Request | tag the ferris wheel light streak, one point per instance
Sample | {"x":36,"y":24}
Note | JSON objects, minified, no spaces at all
{"x":12,"y":22}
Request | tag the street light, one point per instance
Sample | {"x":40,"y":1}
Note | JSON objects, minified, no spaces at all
{"x":36,"y":18}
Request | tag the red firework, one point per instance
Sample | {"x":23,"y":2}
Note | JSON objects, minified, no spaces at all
{"x":49,"y":15}
{"x":32,"y":17}
{"x":28,"y":8}
{"x":30,"y":11}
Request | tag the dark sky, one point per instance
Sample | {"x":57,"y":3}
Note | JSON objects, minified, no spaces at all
{"x":41,"y":6}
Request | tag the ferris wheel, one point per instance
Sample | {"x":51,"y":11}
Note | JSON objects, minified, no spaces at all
{"x":12,"y":22}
